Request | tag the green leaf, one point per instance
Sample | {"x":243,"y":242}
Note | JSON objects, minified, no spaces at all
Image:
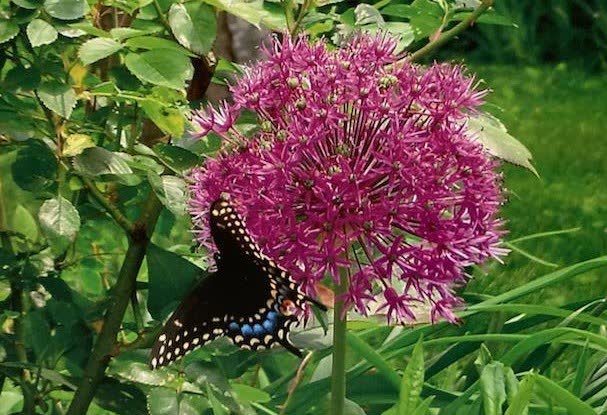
{"x":23,"y":221}
{"x":563,"y":397}
{"x":97,"y":161}
{"x":160,"y":67}
{"x":178,"y":158}
{"x":492,"y":134}
{"x":8,"y":30}
{"x":58,"y":97}
{"x":424,"y":406}
{"x":66,"y":9}
{"x":162,"y":401}
{"x":493,"y":388}
{"x":170,"y":279}
{"x":216,"y":405}
{"x":256,"y":12}
{"x":60,"y":222}
{"x":170,"y":120}
{"x":194,"y":26}
{"x":413,"y":381}
{"x":75,"y":144}
{"x":580,"y":373}
{"x":40,"y":33}
{"x":520,"y":401}
{"x":171,"y":190}
{"x":132,"y":366}
{"x":35,"y":167}
{"x":248,"y":393}
{"x":153,"y":42}
{"x":97,"y":48}
{"x":22,"y":78}
{"x":28,"y":4}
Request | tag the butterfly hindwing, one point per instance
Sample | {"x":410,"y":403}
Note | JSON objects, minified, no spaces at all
{"x":249,"y":299}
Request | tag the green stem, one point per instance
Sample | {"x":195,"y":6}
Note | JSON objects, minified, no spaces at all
{"x":112,"y":209}
{"x":451,"y":33}
{"x":105,"y":345}
{"x":289,"y":17}
{"x":338,"y":375}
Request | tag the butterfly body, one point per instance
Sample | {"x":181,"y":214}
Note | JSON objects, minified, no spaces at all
{"x":249,"y":298}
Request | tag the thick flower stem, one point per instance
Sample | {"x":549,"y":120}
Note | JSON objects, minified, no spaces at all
{"x":338,"y":375}
{"x":105,"y":345}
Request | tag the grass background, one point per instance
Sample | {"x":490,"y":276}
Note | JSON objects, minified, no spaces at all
{"x":560,"y":114}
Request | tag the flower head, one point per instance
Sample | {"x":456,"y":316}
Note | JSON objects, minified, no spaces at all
{"x":362,"y":162}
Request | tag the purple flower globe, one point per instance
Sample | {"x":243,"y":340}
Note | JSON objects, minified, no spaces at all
{"x":362,"y":162}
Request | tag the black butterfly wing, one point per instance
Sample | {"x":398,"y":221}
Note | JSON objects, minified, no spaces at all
{"x":249,"y":299}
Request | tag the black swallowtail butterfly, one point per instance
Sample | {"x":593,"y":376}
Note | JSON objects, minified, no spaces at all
{"x":249,"y":299}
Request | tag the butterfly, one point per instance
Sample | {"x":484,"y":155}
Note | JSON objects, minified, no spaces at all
{"x":249,"y":299}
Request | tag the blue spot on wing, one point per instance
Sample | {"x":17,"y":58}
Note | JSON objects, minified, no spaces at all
{"x":247,"y":330}
{"x":258,"y":329}
{"x":234,"y":326}
{"x":269,"y":325}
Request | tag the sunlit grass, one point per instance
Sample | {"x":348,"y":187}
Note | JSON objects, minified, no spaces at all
{"x":560,"y":114}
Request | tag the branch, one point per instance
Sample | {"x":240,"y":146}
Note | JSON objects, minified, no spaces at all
{"x":114,"y":212}
{"x":139,"y":238}
{"x":451,"y":33}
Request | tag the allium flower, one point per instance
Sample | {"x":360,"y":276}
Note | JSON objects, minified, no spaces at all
{"x":361,"y":162}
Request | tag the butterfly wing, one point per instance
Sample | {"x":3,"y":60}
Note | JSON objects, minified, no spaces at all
{"x":249,"y":299}
{"x":194,"y":322}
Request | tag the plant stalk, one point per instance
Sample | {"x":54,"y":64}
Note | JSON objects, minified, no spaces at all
{"x":338,"y":374}
{"x":105,"y":345}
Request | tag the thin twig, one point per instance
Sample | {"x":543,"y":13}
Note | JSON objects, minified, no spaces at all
{"x":112,"y":209}
{"x":451,"y":33}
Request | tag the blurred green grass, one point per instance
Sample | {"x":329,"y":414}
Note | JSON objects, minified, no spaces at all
{"x":560,"y":114}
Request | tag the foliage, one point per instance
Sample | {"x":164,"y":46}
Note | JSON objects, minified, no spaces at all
{"x":95,"y":252}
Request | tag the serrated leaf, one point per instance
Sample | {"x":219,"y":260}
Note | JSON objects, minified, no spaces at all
{"x":194,"y":26}
{"x":60,"y":222}
{"x":171,"y":190}
{"x":170,"y":279}
{"x":160,"y":67}
{"x":169,"y":120}
{"x":493,"y":388}
{"x":98,"y":48}
{"x":66,"y":9}
{"x":413,"y":381}
{"x":97,"y":162}
{"x":41,"y":33}
{"x":75,"y":144}
{"x":493,"y":135}
{"x":8,"y":30}
{"x":58,"y":97}
{"x":177,"y":158}
{"x":35,"y":168}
